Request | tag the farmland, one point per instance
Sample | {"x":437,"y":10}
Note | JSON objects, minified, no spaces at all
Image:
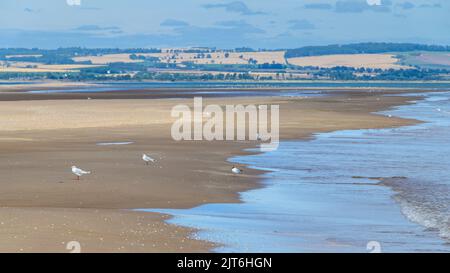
{"x":381,"y":61}
{"x":346,"y":62}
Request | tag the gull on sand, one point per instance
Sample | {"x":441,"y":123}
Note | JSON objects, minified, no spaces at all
{"x":148,"y":159}
{"x":79,"y":172}
{"x":236,"y":170}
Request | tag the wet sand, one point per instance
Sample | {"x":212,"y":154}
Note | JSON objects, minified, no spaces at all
{"x":43,"y":206}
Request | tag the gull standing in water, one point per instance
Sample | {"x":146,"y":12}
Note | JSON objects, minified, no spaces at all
{"x":148,"y":159}
{"x":79,"y":172}
{"x":236,"y":170}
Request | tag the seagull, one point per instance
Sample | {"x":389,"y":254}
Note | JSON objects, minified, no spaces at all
{"x":148,"y":159}
{"x":236,"y":170}
{"x":258,"y":137}
{"x":79,"y":172}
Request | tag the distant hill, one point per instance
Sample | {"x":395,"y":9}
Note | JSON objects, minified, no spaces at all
{"x":361,"y":48}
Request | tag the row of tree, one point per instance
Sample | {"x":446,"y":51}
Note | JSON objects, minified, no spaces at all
{"x":361,"y":48}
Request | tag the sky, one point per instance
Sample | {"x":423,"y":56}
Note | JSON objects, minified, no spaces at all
{"x":222,"y":23}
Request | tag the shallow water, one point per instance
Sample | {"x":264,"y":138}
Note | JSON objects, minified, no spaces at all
{"x":304,"y":84}
{"x":114,"y":143}
{"x":118,"y":86}
{"x":186,"y":93}
{"x":321,"y":195}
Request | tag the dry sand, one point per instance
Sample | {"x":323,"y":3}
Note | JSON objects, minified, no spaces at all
{"x":43,"y":207}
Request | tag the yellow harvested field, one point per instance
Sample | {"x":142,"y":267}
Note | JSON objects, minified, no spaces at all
{"x":383,"y":61}
{"x":107,"y":59}
{"x":180,"y":57}
{"x":26,"y":67}
{"x":220,"y":57}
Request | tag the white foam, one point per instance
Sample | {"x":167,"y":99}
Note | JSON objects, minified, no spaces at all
{"x":114,"y":143}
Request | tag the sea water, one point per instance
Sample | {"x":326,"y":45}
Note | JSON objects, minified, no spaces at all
{"x":342,"y":190}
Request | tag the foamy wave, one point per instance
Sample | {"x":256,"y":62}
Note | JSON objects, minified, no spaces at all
{"x":422,"y":205}
{"x":420,"y":211}
{"x":426,"y":218}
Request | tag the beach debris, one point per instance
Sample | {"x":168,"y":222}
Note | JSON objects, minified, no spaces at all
{"x":236,"y":170}
{"x":79,"y":172}
{"x":147,"y":159}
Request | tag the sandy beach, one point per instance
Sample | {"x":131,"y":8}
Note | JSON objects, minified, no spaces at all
{"x":43,"y":207}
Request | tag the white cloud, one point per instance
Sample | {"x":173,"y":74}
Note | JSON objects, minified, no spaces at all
{"x":374,"y":2}
{"x":73,"y":2}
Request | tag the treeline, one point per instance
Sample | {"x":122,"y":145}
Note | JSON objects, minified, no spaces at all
{"x":87,"y":76}
{"x":74,"y":51}
{"x":234,"y":67}
{"x":63,"y":55}
{"x":361,"y":48}
{"x":364,"y":74}
{"x":81,"y":51}
{"x":340,"y":74}
{"x":192,"y":77}
{"x":50,"y":58}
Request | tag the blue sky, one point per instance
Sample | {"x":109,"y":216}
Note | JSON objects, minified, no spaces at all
{"x":225,"y":24}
